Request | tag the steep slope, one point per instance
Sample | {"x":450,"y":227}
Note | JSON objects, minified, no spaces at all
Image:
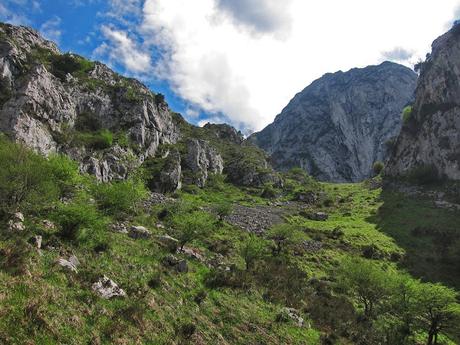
{"x":430,"y":142}
{"x":57,"y":102}
{"x":337,"y":127}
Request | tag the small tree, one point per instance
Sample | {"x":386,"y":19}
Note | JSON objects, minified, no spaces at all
{"x":365,"y":282}
{"x":407,"y":114}
{"x":222,"y":210}
{"x":251,"y":250}
{"x":378,"y":167}
{"x":438,"y":310}
{"x":282,"y":235}
{"x":26,"y":179}
{"x":191,"y":226}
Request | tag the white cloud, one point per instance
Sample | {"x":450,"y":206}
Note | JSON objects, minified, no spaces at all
{"x":12,"y":17}
{"x":259,"y":16}
{"x":51,"y":29}
{"x":122,"y":49}
{"x":244,"y":60}
{"x":398,"y":54}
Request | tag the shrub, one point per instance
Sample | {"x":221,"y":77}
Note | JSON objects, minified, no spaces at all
{"x":65,"y":172}
{"x":222,"y":210}
{"x":190,"y":226}
{"x":73,"y":217}
{"x":119,"y":198}
{"x":26,"y":179}
{"x":407,"y":114}
{"x":269,"y":192}
{"x":378,"y":167}
{"x":70,"y":63}
{"x":251,"y":250}
{"x":282,"y":235}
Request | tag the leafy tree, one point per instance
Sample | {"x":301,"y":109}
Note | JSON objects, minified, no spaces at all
{"x":74,"y":217}
{"x":366,"y":283}
{"x":282,"y":235}
{"x":438,"y":310}
{"x":251,"y":250}
{"x":120,"y":198}
{"x":378,"y":167}
{"x":190,"y":226}
{"x":26,"y":179}
{"x":222,"y":210}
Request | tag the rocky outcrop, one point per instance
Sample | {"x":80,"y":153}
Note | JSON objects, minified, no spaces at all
{"x":57,"y":102}
{"x":225,"y":132}
{"x":202,"y":160}
{"x":429,"y":142}
{"x":337,"y":127}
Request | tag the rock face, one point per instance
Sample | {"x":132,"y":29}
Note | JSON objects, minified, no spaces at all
{"x":202,"y":160}
{"x":57,"y":102}
{"x":430,"y":138}
{"x":337,"y":127}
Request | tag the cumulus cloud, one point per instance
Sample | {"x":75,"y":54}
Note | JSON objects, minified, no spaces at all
{"x":51,"y":29}
{"x":235,"y":61}
{"x":398,"y":54}
{"x":119,"y":48}
{"x":259,"y":16}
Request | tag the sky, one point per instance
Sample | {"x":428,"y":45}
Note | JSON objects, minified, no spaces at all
{"x":236,"y":61}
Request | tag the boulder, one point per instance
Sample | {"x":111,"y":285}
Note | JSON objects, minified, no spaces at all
{"x":139,"y":232}
{"x":167,"y":241}
{"x":107,"y":288}
{"x":291,"y":314}
{"x":36,"y":241}
{"x":176,"y":263}
{"x":318,"y":216}
{"x":72,"y":263}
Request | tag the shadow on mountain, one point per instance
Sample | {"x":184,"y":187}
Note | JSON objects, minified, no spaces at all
{"x":429,"y":235}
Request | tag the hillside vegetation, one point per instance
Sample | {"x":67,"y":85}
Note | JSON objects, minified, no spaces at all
{"x":328,"y":264}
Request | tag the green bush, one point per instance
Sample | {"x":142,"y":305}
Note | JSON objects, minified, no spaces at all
{"x":65,"y":173}
{"x":74,"y":217}
{"x":269,"y":192}
{"x":407,"y":114}
{"x":378,"y":167}
{"x":100,"y":140}
{"x":282,"y":235}
{"x":222,"y":210}
{"x":191,"y":226}
{"x":121,"y":198}
{"x":26,"y":179}
{"x":70,"y":63}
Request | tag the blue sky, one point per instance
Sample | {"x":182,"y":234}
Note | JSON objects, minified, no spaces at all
{"x":76,"y":26}
{"x":236,"y":61}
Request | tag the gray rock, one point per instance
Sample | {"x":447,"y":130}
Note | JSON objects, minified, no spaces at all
{"x":172,"y":261}
{"x":168,"y":241}
{"x":16,"y":223}
{"x":36,"y":241}
{"x":42,"y":109}
{"x":171,"y":175}
{"x":337,"y":127}
{"x":139,"y":232}
{"x":119,"y":228}
{"x":291,"y":314}
{"x":107,"y":288}
{"x":318,"y":216}
{"x":72,"y":263}
{"x":202,"y":160}
{"x":430,"y":139}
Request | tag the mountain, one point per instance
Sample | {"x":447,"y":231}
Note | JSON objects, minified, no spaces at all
{"x":111,"y":125}
{"x":121,"y":223}
{"x":429,"y":143}
{"x":338,"y":127}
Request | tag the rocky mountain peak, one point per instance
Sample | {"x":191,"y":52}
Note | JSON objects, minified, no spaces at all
{"x":337,"y":127}
{"x":429,"y":142}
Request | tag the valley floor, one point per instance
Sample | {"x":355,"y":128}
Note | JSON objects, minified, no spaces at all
{"x":216,"y":299}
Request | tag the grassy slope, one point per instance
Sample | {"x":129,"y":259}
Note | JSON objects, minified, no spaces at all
{"x":49,"y":305}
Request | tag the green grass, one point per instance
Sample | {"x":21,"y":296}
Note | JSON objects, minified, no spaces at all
{"x":41,"y":301}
